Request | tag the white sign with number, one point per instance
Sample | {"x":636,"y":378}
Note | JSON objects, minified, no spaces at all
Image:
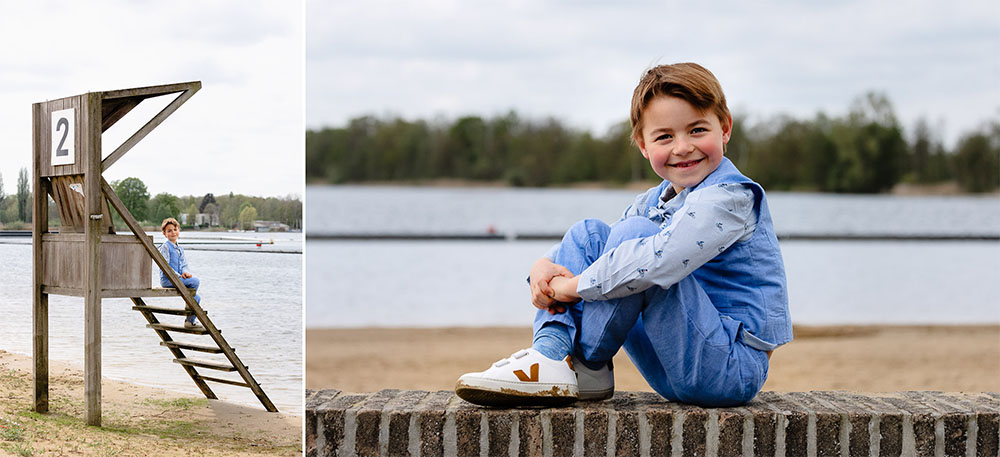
{"x":63,"y":138}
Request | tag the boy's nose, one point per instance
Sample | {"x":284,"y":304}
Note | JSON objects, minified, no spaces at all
{"x":683,"y":147}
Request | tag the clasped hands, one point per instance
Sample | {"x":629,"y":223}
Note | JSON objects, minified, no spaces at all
{"x":553,"y":286}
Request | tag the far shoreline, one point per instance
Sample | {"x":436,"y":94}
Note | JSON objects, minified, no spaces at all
{"x":944,"y":189}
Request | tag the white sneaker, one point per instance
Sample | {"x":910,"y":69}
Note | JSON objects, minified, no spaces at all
{"x":527,"y":378}
{"x":595,"y":384}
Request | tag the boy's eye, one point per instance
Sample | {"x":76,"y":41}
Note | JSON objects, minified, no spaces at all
{"x":665,"y":136}
{"x":699,"y":130}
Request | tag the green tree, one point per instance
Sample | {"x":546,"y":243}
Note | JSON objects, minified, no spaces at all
{"x":247,"y":217}
{"x":192,"y":214}
{"x":977,"y":160}
{"x":162,"y":206}
{"x":23,"y":196}
{"x":2,"y":195}
{"x":133,"y":193}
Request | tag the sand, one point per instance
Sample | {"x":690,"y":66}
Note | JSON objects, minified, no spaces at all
{"x":856,"y":358}
{"x":136,"y":420}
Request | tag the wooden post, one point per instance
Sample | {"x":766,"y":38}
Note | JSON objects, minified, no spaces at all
{"x":92,"y":277}
{"x":39,"y":300}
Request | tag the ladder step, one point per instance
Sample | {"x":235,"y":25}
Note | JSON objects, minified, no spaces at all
{"x":193,"y":347}
{"x":179,"y":328}
{"x":159,"y":310}
{"x":224,"y":381}
{"x":205,"y":364}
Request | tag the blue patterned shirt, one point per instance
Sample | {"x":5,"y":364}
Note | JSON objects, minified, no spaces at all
{"x":694,"y":228}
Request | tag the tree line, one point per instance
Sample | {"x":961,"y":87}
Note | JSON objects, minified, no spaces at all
{"x":864,"y":151}
{"x":233,"y":211}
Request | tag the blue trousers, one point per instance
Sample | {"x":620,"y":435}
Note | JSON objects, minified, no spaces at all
{"x":682,"y":346}
{"x":191,"y":282}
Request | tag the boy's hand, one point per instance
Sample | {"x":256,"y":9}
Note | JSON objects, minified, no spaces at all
{"x":541,"y":293}
{"x":186,"y":275}
{"x":564,"y":289}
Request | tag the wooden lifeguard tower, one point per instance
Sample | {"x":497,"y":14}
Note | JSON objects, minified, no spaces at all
{"x":86,"y":258}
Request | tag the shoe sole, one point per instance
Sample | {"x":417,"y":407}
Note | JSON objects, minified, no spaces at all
{"x":597,"y":395}
{"x":484,"y":397}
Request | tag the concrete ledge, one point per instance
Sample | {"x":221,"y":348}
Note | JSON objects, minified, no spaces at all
{"x":418,"y":423}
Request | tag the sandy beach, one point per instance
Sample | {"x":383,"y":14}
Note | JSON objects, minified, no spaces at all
{"x":136,"y":420}
{"x":857,"y":358}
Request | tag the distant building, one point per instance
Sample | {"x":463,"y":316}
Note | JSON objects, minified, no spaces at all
{"x":269,"y":226}
{"x":202,"y":219}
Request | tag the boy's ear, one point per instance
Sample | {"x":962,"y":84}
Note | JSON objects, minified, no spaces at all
{"x":641,"y":144}
{"x":727,"y":130}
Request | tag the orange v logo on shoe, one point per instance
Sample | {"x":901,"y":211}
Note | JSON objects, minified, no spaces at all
{"x":525,"y":378}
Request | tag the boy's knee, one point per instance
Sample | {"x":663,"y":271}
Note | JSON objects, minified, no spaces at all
{"x":588,"y":232}
{"x":589,"y":226}
{"x":631,"y":228}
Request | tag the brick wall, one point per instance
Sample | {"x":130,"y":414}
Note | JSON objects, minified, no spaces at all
{"x":418,"y":423}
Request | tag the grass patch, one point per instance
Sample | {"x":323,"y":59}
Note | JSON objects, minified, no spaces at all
{"x":21,"y":449}
{"x":179,"y":403}
{"x":10,"y":430}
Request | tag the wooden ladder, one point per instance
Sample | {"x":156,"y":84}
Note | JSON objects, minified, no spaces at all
{"x":192,"y":307}
{"x":191,"y":365}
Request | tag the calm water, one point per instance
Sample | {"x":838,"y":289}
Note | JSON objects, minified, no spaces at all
{"x":441,"y":283}
{"x":255,"y":298}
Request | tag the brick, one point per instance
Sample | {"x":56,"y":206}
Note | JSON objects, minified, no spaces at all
{"x":595,"y":432}
{"x":399,"y":411}
{"x":562,"y":425}
{"x":430,"y":419}
{"x":500,"y":422}
{"x":468,"y":422}
{"x":987,"y":436}
{"x":314,"y":399}
{"x":764,"y":423}
{"x":693,"y":434}
{"x":331,"y":415}
{"x":796,"y":430}
{"x":923,"y":418}
{"x":730,"y":433}
{"x":529,"y":433}
{"x":369,"y":423}
{"x":661,"y":426}
{"x":828,"y":419}
{"x":627,"y":434}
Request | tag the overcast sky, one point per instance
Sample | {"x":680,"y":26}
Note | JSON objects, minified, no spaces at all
{"x":580,"y":60}
{"x":242,"y":132}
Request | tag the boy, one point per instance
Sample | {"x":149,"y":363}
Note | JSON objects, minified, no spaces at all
{"x":174,"y":256}
{"x":690,"y":280}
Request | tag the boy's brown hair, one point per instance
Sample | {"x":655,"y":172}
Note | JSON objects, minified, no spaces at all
{"x":688,"y":81}
{"x":168,"y":221}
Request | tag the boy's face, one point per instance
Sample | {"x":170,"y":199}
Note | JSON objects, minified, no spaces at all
{"x":683,"y":145}
{"x":171,"y":232}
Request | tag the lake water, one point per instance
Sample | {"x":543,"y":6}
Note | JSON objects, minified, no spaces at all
{"x":255,"y":298}
{"x":481,"y":283}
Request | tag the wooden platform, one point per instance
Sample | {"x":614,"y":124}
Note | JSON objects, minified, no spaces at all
{"x":116,"y":293}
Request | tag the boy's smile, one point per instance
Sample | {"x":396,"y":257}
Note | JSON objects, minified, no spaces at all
{"x":683,"y":145}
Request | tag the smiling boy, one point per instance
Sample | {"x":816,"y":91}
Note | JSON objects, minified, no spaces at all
{"x":174,"y":255}
{"x":690,"y":280}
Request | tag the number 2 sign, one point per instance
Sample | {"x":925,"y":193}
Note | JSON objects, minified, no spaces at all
{"x":63,"y":138}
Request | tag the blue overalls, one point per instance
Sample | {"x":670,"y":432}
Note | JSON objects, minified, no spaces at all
{"x":702,"y":340}
{"x":175,"y":258}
